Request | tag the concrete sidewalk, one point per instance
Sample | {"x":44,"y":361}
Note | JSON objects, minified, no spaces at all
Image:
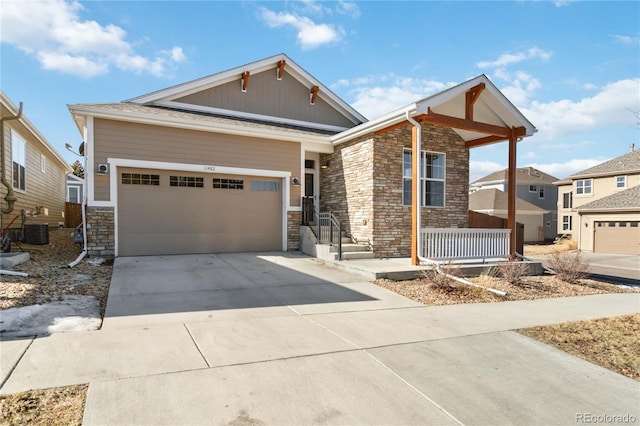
{"x":455,"y":364}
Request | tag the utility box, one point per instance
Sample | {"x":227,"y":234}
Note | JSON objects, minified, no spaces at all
{"x":36,"y":233}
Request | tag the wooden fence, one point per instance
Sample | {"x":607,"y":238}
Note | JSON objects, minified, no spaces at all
{"x":72,"y":215}
{"x":481,"y":220}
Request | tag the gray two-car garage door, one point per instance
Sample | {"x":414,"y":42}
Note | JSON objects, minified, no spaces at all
{"x":172,"y":212}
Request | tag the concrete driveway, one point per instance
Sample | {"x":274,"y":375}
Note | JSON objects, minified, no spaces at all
{"x":252,"y":339}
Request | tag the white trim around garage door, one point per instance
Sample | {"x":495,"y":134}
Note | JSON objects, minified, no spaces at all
{"x":114,"y":163}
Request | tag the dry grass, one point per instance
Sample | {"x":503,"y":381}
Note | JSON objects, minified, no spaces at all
{"x":558,"y":246}
{"x":611,"y":343}
{"x":55,"y":406}
{"x":528,"y":288}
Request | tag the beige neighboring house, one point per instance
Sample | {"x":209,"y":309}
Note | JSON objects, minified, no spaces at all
{"x":600,"y":206}
{"x":494,"y":202}
{"x":35,"y":171}
{"x":237,"y":161}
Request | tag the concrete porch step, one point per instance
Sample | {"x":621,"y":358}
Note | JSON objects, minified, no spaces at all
{"x":350,"y":247}
{"x":354,"y":255}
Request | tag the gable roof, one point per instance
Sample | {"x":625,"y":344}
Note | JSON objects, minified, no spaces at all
{"x":524,"y":175}
{"x":624,"y":164}
{"x":496,"y":200}
{"x":492,"y":107}
{"x":167,"y":97}
{"x":629,"y":199}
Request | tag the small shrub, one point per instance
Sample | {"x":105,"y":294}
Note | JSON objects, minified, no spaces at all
{"x":442,"y":280}
{"x":569,"y":267}
{"x":513,"y":271}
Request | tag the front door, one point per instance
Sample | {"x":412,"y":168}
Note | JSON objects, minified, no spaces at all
{"x":308,"y":202}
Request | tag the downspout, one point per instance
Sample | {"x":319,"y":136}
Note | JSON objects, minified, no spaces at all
{"x":84,"y":213}
{"x":9,"y":198}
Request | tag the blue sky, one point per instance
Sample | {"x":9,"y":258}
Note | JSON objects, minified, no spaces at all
{"x":572,"y":67}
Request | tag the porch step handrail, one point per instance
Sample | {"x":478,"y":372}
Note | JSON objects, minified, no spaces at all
{"x":467,"y":243}
{"x":330,"y":231}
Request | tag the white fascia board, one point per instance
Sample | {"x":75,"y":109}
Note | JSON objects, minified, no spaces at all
{"x":395,"y":117}
{"x":448,"y":94}
{"x":192,"y":124}
{"x":207,"y":82}
{"x":316,"y":147}
{"x":223,"y":77}
{"x":248,"y":115}
{"x":605,"y":210}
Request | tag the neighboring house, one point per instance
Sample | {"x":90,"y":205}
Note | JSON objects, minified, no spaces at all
{"x":74,"y":188}
{"x":494,"y":202}
{"x":223,"y":163}
{"x":600,"y":206}
{"x":534,"y":186}
{"x":34,"y":169}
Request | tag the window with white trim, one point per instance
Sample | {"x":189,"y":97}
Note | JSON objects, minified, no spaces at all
{"x":567,"y":200}
{"x":432,"y":182}
{"x":621,"y":182}
{"x":73,"y":194}
{"x":541,"y":192}
{"x":583,"y":186}
{"x":533,"y":188}
{"x":18,"y":155}
{"x":566,"y":223}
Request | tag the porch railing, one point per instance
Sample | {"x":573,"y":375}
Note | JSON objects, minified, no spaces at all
{"x":450,"y":243}
{"x":330,"y":231}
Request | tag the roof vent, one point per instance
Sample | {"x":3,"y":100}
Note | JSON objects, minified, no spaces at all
{"x":632,"y":147}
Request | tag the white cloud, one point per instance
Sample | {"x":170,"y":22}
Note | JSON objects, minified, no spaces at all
{"x":512,"y":58}
{"x":624,"y":39}
{"x":377,"y":95}
{"x":479,"y":168}
{"x":310,"y":35}
{"x":521,"y":88}
{"x":609,"y":106}
{"x":348,"y":8}
{"x":55,"y":34}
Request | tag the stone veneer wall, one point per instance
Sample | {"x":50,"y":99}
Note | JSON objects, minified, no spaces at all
{"x":293,"y":230}
{"x":392,"y":223}
{"x":100,"y":231}
{"x":367,"y":195}
{"x":346,"y":186}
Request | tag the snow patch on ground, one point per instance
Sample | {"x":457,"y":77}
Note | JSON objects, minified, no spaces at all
{"x":72,"y":313}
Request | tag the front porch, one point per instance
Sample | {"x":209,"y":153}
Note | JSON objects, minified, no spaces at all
{"x":400,"y":268}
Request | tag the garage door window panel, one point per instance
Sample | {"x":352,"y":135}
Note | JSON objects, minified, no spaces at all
{"x":228,"y":183}
{"x":140,"y":179}
{"x":265,"y":185}
{"x":186,"y":181}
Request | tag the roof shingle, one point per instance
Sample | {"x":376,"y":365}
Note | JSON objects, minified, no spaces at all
{"x":627,"y":199}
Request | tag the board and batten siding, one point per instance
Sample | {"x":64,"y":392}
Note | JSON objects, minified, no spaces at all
{"x":42,"y":189}
{"x":265,"y":95}
{"x":119,"y":139}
